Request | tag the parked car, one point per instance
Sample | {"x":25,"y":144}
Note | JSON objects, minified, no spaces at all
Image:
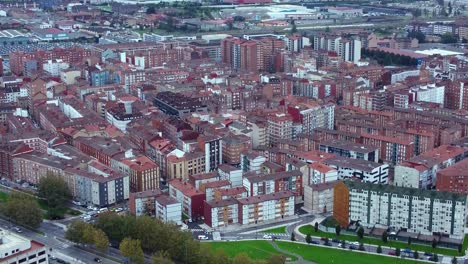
{"x":266,"y":237}
{"x":323,"y":238}
{"x":315,"y":242}
{"x":98,"y":260}
{"x":352,"y":247}
{"x":76,"y":203}
{"x":275,"y":237}
{"x":336,"y":240}
{"x":391,"y":253}
{"x":407,"y":251}
{"x":202,"y":237}
{"x":355,"y":243}
{"x":429,"y":254}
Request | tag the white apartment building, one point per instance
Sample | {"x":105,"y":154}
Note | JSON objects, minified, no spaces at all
{"x":266,"y":207}
{"x":55,"y":67}
{"x":252,"y":161}
{"x":366,"y":171}
{"x":230,"y":173}
{"x":168,"y":209}
{"x":416,"y":210}
{"x":429,"y":93}
{"x":321,"y":173}
{"x":320,"y":116}
{"x":15,"y":249}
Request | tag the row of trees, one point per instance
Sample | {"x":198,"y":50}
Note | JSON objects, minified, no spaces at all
{"x":164,"y":242}
{"x":386,"y":58}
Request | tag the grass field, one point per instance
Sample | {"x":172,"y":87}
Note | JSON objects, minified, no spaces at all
{"x":259,"y":249}
{"x":322,"y":255}
{"x":309,"y":229}
{"x":3,"y":197}
{"x":276,"y":230}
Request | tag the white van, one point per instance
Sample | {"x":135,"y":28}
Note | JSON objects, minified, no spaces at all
{"x":202,"y":237}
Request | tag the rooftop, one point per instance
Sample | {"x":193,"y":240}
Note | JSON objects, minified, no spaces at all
{"x":347,"y":145}
{"x":265,"y":197}
{"x":186,"y":188}
{"x":358,"y":164}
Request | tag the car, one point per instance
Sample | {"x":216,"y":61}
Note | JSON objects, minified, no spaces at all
{"x":202,"y":237}
{"x":76,"y":203}
{"x":355,"y":243}
{"x":429,"y":254}
{"x":266,"y":237}
{"x":336,"y":240}
{"x":118,"y":210}
{"x":315,"y":242}
{"x":352,"y":247}
{"x":275,"y":237}
{"x":17,"y":229}
{"x":407,"y":251}
{"x":392,"y":253}
{"x":323,"y":238}
{"x":339,"y":245}
{"x":98,"y":260}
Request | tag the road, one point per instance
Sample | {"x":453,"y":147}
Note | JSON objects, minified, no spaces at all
{"x":59,"y":247}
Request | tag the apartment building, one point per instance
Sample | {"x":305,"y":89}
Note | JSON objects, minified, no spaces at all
{"x":252,"y":161}
{"x":210,"y":188}
{"x":16,"y":249}
{"x":421,"y":171}
{"x":100,"y":185}
{"x":414,"y":210}
{"x":141,"y":203}
{"x":260,"y":184}
{"x":347,"y":49}
{"x":350,"y":150}
{"x":180,"y":165}
{"x":265,"y":207}
{"x":280,"y":126}
{"x":213,"y":149}
{"x":453,"y":178}
{"x":190,"y":198}
{"x":231,"y":173}
{"x":233,"y":146}
{"x":313,"y":116}
{"x":221,"y":213}
{"x":318,"y":198}
{"x":392,"y":150}
{"x":143,"y":172}
{"x":321,"y":173}
{"x":361,"y":170}
{"x":168,"y":209}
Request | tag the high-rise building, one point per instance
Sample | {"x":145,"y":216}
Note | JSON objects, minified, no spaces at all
{"x":213,"y":149}
{"x":413,"y":210}
{"x":347,"y":48}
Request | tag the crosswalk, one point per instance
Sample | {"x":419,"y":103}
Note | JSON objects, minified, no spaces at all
{"x":197,"y":230}
{"x":274,"y":234}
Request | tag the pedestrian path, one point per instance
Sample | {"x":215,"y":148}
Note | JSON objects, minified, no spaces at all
{"x":299,"y":260}
{"x":274,"y":234}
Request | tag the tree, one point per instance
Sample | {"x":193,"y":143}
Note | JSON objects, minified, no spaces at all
{"x":417,"y":35}
{"x":435,"y":258}
{"x":454,"y":260}
{"x":80,"y":232}
{"x":241,"y":258}
{"x":397,"y":252}
{"x":308,"y":239}
{"x":316,"y":227}
{"x":361,"y":247}
{"x":343,"y":244}
{"x":54,"y":190}
{"x":219,"y":256}
{"x":337,"y":230}
{"x":293,"y":27}
{"x":379,"y":249}
{"x":293,"y":237}
{"x":434,"y":243}
{"x":23,"y":209}
{"x":131,"y":249}
{"x":416,"y":255}
{"x":449,"y":8}
{"x":101,"y":242}
{"x":163,"y":257}
{"x":385,"y":237}
{"x":151,"y":10}
{"x":448,"y":38}
{"x":409,"y":241}
{"x":460,"y":248}
{"x":360,"y":232}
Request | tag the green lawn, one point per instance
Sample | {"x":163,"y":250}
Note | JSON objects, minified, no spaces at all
{"x":3,"y":196}
{"x":309,"y":229}
{"x":259,"y":249}
{"x":63,"y":211}
{"x":322,"y":255}
{"x":276,"y":230}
